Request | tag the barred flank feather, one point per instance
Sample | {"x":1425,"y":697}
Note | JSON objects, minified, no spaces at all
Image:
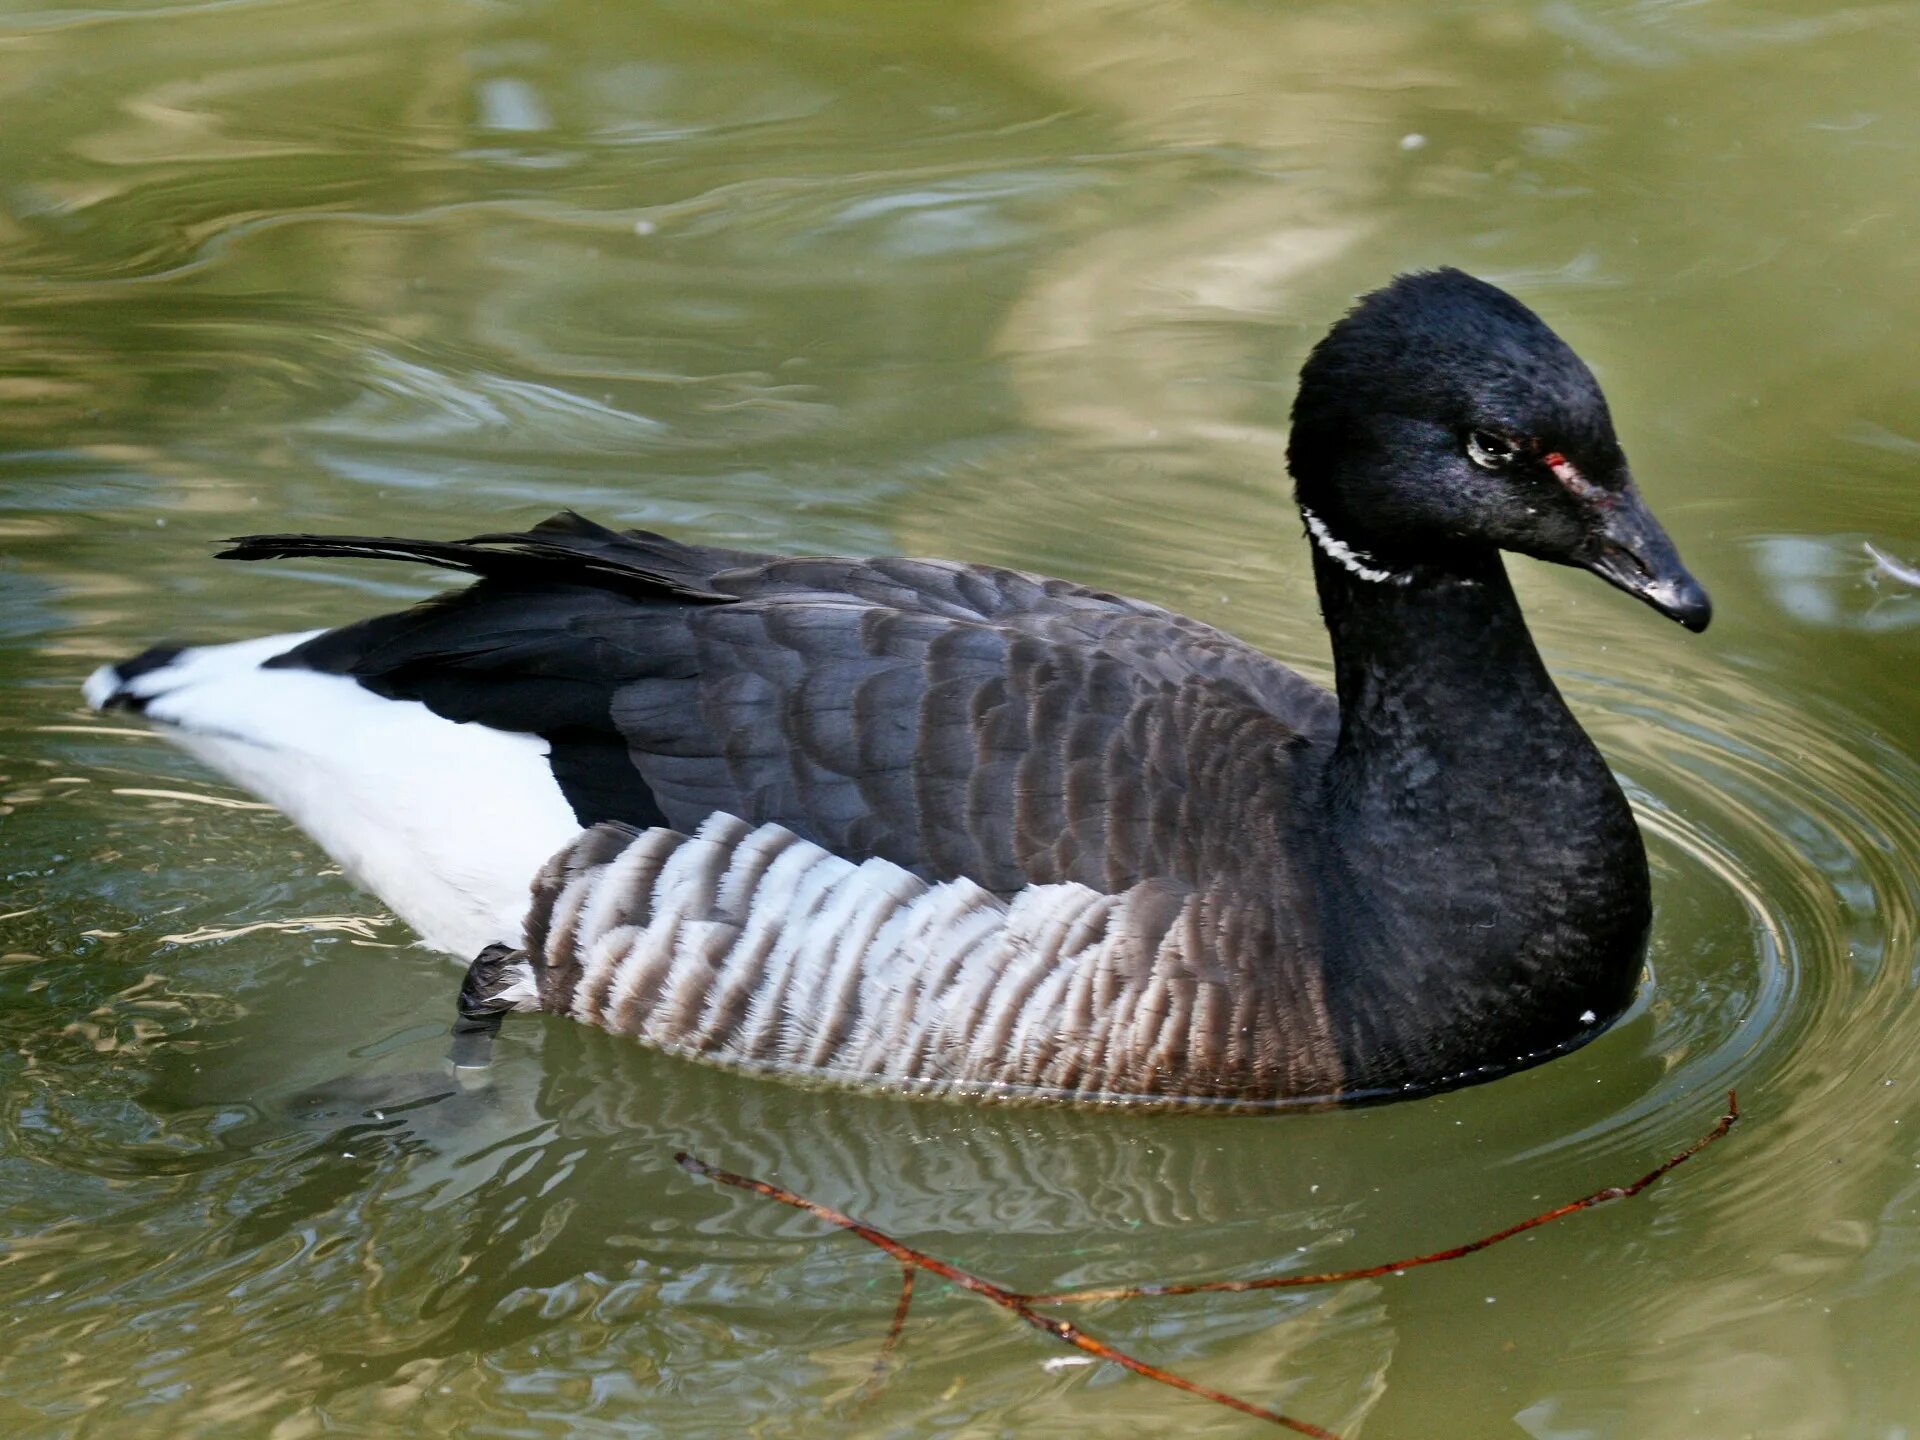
{"x":753,"y":948}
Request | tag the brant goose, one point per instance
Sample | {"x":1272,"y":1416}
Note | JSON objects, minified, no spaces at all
{"x":949,"y":828}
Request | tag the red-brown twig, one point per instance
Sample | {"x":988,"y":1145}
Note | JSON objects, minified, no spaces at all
{"x":900,"y":1308}
{"x":1394,"y":1267}
{"x":1064,"y":1330}
{"x":1022,"y":1304}
{"x":877,"y":1377}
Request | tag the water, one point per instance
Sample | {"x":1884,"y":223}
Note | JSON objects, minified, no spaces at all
{"x":1024,"y":283}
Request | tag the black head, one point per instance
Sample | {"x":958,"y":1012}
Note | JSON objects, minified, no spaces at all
{"x":1441,"y":416}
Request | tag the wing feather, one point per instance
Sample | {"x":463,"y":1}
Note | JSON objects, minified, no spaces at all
{"x":955,"y":720}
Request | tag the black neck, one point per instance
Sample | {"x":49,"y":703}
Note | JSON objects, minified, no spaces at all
{"x":1435,"y":663}
{"x":1490,"y":886}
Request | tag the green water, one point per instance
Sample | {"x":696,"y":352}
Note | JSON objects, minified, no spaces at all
{"x":1024,"y":283}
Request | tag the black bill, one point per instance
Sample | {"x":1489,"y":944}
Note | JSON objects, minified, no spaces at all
{"x":1632,"y":553}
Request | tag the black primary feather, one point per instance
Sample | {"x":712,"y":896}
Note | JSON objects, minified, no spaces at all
{"x":565,"y":545}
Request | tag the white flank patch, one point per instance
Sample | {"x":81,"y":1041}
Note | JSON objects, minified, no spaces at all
{"x":1357,"y":562}
{"x":447,"y":823}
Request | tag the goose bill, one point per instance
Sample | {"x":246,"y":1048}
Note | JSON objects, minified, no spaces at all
{"x":1632,"y":553}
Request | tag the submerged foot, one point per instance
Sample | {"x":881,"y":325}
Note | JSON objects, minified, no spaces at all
{"x":485,"y":997}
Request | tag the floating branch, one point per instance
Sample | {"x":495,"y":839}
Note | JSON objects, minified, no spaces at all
{"x":1906,"y":574}
{"x":883,"y":1361}
{"x":1023,"y":1305}
{"x":1064,"y":1330}
{"x":1412,"y":1262}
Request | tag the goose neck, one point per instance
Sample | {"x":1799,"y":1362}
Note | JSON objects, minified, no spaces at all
{"x":1485,"y":891}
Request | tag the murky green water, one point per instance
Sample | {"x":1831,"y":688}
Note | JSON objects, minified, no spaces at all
{"x":1020,"y":282}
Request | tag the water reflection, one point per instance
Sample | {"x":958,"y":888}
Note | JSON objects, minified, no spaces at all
{"x":540,"y":1221}
{"x":1836,"y":583}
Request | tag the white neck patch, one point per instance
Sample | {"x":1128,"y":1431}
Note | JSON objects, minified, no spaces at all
{"x":1356,"y":562}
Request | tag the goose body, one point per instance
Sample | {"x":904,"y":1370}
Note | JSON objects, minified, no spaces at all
{"x":953,"y":828}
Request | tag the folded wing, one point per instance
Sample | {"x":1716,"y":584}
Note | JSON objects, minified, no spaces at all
{"x":957,"y":721}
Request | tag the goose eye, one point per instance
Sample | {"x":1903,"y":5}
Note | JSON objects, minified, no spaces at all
{"x":1489,"y":451}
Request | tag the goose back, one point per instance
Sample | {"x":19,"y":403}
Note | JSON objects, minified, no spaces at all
{"x":956,"y":720}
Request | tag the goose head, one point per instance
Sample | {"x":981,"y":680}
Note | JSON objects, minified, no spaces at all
{"x":1440,"y":418}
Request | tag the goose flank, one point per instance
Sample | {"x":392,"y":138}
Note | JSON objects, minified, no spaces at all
{"x":947,"y":828}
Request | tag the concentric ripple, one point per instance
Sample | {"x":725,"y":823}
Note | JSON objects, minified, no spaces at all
{"x":1762,"y":829}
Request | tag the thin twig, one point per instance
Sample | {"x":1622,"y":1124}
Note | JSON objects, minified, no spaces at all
{"x":1063,"y":1330}
{"x":1022,"y":1305}
{"x":900,"y":1308}
{"x":883,"y":1361}
{"x":1394,"y":1267}
{"x":1904,"y":573}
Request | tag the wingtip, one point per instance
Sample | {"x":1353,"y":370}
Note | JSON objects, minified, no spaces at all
{"x":247,"y":547}
{"x":264,"y":547}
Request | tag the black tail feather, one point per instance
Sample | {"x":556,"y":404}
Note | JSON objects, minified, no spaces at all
{"x":565,"y":547}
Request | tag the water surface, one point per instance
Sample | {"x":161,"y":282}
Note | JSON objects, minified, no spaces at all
{"x":1022,"y":283}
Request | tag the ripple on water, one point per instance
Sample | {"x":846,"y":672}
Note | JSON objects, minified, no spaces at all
{"x":1783,"y":965}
